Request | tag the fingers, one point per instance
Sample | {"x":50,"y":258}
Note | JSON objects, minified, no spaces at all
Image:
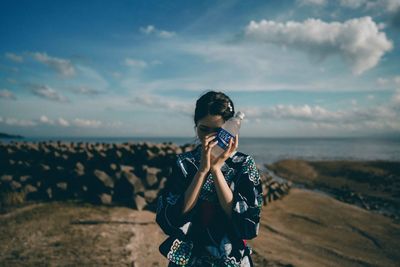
{"x":229,"y":149}
{"x":236,"y":142}
{"x":208,"y":139}
{"x":233,"y":145}
{"x":213,"y":144}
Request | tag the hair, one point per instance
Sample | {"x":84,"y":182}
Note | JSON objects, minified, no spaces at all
{"x":214,"y":103}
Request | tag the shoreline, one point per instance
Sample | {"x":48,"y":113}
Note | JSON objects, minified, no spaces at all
{"x":270,"y":150}
{"x":371,"y":185}
{"x":55,"y":157}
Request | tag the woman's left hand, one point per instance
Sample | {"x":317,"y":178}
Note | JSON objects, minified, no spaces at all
{"x":216,"y":163}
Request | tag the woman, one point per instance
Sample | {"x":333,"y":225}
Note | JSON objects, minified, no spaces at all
{"x":210,"y":206}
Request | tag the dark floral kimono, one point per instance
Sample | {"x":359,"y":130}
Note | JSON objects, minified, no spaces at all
{"x":206,"y":236}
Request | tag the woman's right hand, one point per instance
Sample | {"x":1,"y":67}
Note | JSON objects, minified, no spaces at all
{"x":208,"y":142}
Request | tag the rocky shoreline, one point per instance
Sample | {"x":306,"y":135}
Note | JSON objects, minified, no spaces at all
{"x":128,"y":174}
{"x":371,"y":185}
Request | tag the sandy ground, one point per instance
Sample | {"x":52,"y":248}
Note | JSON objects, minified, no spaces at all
{"x":311,"y":229}
{"x":373,"y":185}
{"x":70,"y":234}
{"x":302,"y":229}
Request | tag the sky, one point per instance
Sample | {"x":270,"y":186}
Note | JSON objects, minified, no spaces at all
{"x":296,"y":68}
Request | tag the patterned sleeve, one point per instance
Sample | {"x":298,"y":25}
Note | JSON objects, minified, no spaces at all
{"x":247,"y":201}
{"x":170,"y":202}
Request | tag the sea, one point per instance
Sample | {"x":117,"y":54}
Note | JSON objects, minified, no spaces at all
{"x":271,"y":149}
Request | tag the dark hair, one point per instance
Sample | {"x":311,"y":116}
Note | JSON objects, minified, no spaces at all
{"x":214,"y":103}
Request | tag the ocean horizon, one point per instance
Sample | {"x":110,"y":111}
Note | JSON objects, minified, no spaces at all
{"x":267,"y":150}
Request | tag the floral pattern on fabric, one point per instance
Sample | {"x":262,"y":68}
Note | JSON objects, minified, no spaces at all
{"x":180,"y":252}
{"x":237,"y":159}
{"x":251,"y":168}
{"x":222,"y":243}
{"x":208,"y":190}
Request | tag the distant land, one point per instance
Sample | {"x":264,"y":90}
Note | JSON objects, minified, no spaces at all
{"x":4,"y":135}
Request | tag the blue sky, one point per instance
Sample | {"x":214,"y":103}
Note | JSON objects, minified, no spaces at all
{"x":135,"y":68}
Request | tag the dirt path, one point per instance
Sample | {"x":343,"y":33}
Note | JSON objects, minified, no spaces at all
{"x":67,"y":234}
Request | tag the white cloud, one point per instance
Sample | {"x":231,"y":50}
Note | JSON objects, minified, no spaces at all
{"x":386,"y":5}
{"x":77,"y":122}
{"x":49,"y":93}
{"x":152,"y":30}
{"x":382,"y":81}
{"x":156,"y":62}
{"x":397,"y":80}
{"x":396,"y":98}
{"x":304,"y":112}
{"x":137,"y":63}
{"x":18,"y":122}
{"x":7,"y":94}
{"x":59,"y":122}
{"x":63,"y":122}
{"x":117,"y":75}
{"x":14,"y":57}
{"x":312,"y":2}
{"x":292,"y":112}
{"x":148,"y":30}
{"x":162,"y":103}
{"x":358,"y":41}
{"x":392,"y":5}
{"x":114,"y":124}
{"x":239,"y":66}
{"x":63,"y":66}
{"x":353,"y":3}
{"x":382,"y":117}
{"x":166,"y":34}
{"x":87,"y":123}
{"x":91,"y":78}
{"x":84,"y":90}
{"x":392,"y":82}
{"x":45,"y":120}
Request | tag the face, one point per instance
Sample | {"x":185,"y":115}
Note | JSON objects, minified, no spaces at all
{"x":209,"y":124}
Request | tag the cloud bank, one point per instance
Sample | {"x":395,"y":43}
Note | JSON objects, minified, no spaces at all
{"x":49,"y":93}
{"x":14,"y":57}
{"x":359,"y":42}
{"x":152,"y":30}
{"x":63,"y":66}
{"x":44,"y":120}
{"x":7,"y":94}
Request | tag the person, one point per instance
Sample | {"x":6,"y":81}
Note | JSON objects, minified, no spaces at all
{"x":210,"y":205}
